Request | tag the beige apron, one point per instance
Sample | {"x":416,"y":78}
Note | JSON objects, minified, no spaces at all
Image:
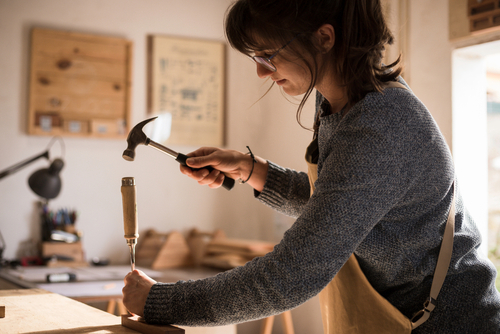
{"x":349,"y":304}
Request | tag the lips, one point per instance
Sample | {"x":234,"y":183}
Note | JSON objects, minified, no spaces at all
{"x":280,"y":82}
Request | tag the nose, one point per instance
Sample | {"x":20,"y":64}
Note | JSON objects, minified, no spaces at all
{"x":263,"y":72}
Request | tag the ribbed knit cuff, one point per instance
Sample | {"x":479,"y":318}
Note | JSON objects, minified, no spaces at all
{"x":156,"y":309}
{"x":276,"y":180}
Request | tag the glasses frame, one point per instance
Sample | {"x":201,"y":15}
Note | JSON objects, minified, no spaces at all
{"x":266,"y":62}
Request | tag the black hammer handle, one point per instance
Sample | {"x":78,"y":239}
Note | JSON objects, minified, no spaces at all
{"x":228,"y":182}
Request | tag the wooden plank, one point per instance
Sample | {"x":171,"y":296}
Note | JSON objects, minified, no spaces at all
{"x":46,"y":83}
{"x":224,"y":261}
{"x":66,"y":34}
{"x":137,"y":323}
{"x":148,"y":247}
{"x":36,"y":310}
{"x":76,"y":66}
{"x":163,"y":251}
{"x":250,"y":248}
{"x":7,"y":285}
{"x":60,"y":43}
{"x":174,"y":253}
{"x":80,"y":107}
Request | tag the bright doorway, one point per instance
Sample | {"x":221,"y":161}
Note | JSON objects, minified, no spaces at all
{"x":476,"y":137}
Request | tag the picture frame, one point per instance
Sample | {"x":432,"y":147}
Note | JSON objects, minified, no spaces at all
{"x":186,"y":90}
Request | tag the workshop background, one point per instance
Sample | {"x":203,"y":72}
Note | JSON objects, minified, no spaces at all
{"x":167,"y":200}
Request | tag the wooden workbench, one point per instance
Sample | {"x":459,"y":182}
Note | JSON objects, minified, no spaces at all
{"x":40,"y":311}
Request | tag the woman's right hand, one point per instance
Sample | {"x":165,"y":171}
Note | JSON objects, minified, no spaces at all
{"x":235,"y":164}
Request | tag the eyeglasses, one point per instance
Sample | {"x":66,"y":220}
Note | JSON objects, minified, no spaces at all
{"x":266,"y":62}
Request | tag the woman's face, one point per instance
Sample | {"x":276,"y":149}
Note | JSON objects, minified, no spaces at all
{"x":292,"y":74}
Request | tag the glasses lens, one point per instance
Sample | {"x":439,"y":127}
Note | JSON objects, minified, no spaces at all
{"x":264,"y":62}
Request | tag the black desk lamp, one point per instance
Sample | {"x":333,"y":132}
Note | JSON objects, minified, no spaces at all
{"x":45,"y":182}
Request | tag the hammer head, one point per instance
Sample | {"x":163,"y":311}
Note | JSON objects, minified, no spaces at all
{"x":135,"y":137}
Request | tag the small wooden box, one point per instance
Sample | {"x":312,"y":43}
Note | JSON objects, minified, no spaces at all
{"x":484,"y":14}
{"x":73,"y":250}
{"x":79,"y":82}
{"x":76,"y":126}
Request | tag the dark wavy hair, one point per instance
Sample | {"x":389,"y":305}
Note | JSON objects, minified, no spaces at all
{"x":360,"y":36}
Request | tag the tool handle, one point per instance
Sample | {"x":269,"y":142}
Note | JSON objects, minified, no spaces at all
{"x":228,"y":182}
{"x":129,"y":208}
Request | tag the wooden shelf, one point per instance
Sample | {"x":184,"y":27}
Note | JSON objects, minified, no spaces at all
{"x":79,"y":84}
{"x":484,"y":14}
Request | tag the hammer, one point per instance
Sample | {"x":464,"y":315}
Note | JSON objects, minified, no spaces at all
{"x":136,"y":136}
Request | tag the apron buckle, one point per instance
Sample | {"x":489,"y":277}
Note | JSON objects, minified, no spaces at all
{"x":429,"y":304}
{"x":421,"y":316}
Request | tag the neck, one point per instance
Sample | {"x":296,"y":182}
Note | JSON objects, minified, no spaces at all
{"x":336,"y":99}
{"x":334,"y":93}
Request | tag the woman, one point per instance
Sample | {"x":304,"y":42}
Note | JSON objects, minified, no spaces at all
{"x":384,"y":189}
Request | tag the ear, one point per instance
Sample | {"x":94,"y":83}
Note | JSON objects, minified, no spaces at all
{"x":326,"y":37}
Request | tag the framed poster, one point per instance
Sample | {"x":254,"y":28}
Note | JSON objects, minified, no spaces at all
{"x":186,"y":87}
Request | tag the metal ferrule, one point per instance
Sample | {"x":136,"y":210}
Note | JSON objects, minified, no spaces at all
{"x":164,"y":149}
{"x":131,"y":244}
{"x":128,"y":181}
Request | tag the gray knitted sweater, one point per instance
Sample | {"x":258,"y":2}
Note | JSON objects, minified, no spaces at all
{"x":383,"y":192}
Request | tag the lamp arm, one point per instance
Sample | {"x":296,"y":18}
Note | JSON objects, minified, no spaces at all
{"x":16,"y":167}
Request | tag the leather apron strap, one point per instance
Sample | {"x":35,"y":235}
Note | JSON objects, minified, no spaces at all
{"x":443,"y":263}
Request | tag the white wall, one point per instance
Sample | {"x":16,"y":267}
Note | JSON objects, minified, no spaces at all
{"x":430,"y":54}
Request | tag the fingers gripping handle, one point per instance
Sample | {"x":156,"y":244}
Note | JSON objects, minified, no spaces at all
{"x":228,"y":182}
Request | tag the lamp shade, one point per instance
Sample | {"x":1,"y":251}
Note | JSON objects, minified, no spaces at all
{"x":46,"y":182}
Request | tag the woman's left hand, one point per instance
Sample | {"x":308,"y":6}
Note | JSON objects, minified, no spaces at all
{"x":136,"y":290}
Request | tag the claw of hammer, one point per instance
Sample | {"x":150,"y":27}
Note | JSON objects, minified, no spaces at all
{"x":135,"y":137}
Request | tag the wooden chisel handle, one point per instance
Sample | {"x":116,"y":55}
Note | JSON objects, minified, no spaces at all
{"x":129,"y":208}
{"x":130,"y":224}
